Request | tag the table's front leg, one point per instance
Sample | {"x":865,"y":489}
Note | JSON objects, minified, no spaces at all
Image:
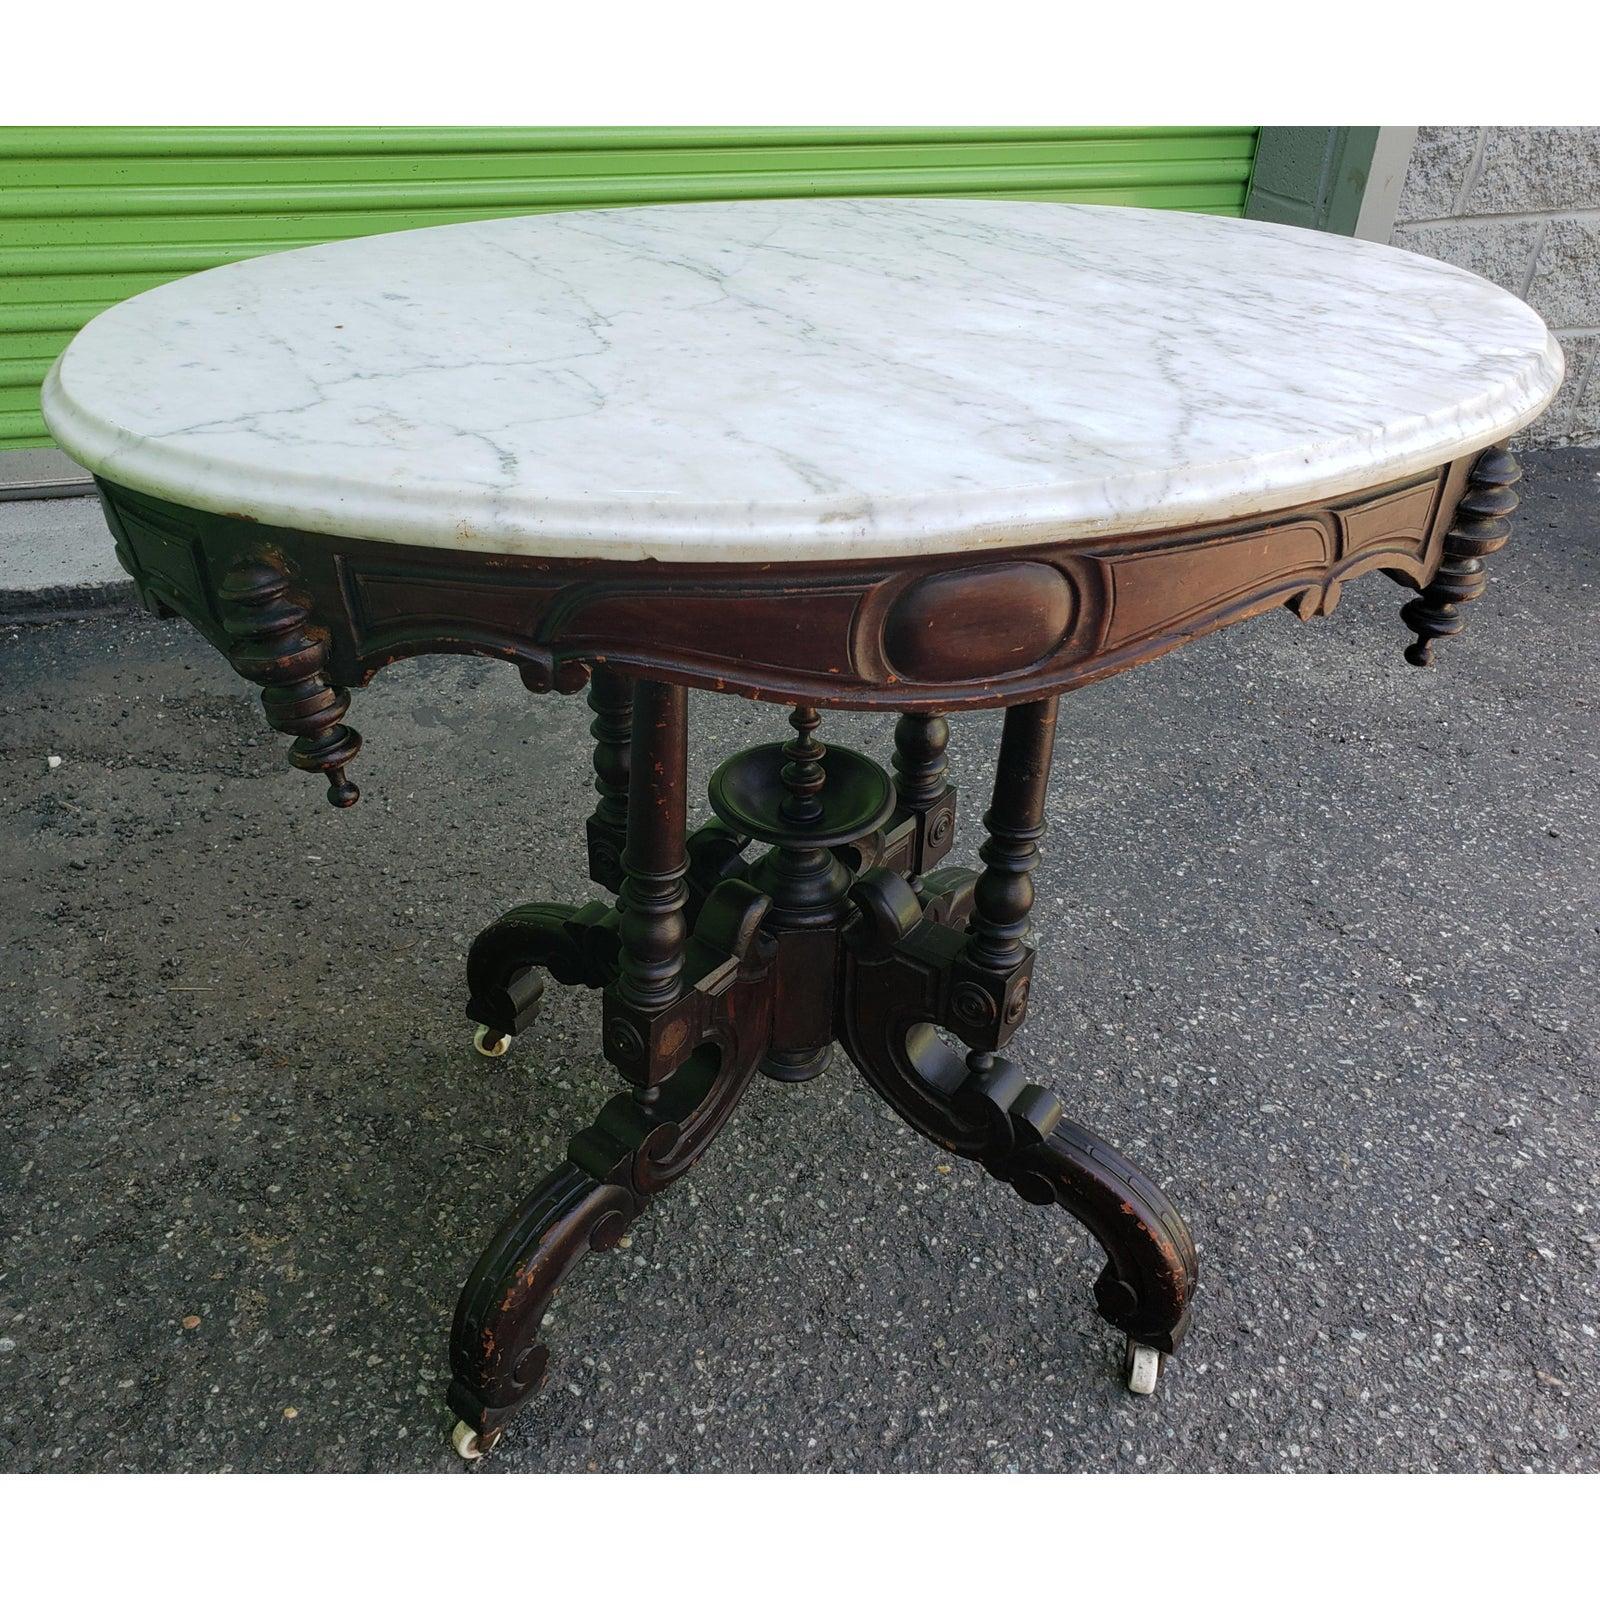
{"x":907,"y":974}
{"x":688,"y":1016}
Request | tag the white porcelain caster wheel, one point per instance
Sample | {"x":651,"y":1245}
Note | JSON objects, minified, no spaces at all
{"x":488,"y":1043}
{"x":468,"y":1445}
{"x":1141,"y":1367}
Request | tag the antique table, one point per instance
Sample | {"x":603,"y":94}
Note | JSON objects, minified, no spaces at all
{"x":888,"y":455}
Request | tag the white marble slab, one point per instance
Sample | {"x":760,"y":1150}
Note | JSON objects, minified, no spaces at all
{"x":797,"y":379}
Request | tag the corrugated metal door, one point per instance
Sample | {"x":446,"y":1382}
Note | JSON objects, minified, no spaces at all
{"x":89,"y":216}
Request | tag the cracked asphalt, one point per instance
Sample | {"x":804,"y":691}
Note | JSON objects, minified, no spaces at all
{"x":1319,"y":938}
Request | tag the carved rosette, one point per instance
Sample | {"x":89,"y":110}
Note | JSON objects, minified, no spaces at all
{"x":275,"y":645}
{"x":1480,"y":528}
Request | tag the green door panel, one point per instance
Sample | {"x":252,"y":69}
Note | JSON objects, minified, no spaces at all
{"x":1311,"y":177}
{"x":89,"y":216}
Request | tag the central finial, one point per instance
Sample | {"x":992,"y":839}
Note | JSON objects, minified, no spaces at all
{"x":802,"y":772}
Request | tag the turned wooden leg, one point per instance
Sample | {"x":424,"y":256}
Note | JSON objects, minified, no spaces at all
{"x":1151,"y":1262}
{"x":807,"y":882}
{"x":922,"y":786}
{"x":1003,"y":896}
{"x":654,"y":895}
{"x":924,"y":791}
{"x":906,"y":975}
{"x":687,"y":1018}
{"x":1480,"y":529}
{"x":611,"y":700}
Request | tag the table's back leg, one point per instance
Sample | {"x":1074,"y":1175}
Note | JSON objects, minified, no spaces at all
{"x":505,"y":989}
{"x":611,"y":700}
{"x":923,"y":788}
{"x":578,"y":944}
{"x":1481,"y":528}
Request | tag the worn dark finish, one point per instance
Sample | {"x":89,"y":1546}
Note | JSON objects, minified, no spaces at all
{"x":848,"y":634}
{"x":813,"y":912}
{"x":1480,"y":529}
{"x":641,"y":1142}
{"x":808,"y":944}
{"x":655,"y":862}
{"x":1003,"y":895}
{"x":910,"y":975}
{"x":804,"y":800}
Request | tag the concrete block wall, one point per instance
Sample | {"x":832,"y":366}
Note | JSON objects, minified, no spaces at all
{"x":1520,"y":206}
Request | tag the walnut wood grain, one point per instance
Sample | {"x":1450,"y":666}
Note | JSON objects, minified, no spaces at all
{"x":948,"y":634}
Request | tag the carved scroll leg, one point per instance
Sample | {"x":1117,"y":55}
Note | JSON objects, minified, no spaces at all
{"x":908,"y":966}
{"x":1480,"y":529}
{"x":686,"y":1021}
{"x":988,"y":1112}
{"x":638,"y":1146}
{"x":574,"y":944}
{"x":1151,"y":1265}
{"x":497,"y":1357}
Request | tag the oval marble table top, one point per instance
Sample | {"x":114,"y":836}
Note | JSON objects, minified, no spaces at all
{"x":787,"y":380}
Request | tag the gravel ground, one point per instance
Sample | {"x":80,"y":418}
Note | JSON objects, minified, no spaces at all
{"x":1318,"y":947}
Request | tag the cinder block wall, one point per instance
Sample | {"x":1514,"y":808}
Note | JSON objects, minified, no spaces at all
{"x":1520,"y":206}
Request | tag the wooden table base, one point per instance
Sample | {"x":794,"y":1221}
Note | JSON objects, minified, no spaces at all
{"x":715,"y":965}
{"x":814,"y":911}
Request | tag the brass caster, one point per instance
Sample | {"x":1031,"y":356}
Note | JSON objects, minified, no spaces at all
{"x":488,"y":1043}
{"x":469,"y":1444}
{"x":1141,"y":1367}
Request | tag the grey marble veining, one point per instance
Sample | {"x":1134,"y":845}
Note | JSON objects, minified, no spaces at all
{"x":797,"y":379}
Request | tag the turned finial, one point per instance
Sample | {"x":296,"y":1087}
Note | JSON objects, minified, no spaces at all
{"x":1480,"y":528}
{"x":275,"y":646}
{"x":802,"y":772}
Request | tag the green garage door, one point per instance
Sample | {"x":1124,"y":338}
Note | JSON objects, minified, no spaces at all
{"x":89,"y":216}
